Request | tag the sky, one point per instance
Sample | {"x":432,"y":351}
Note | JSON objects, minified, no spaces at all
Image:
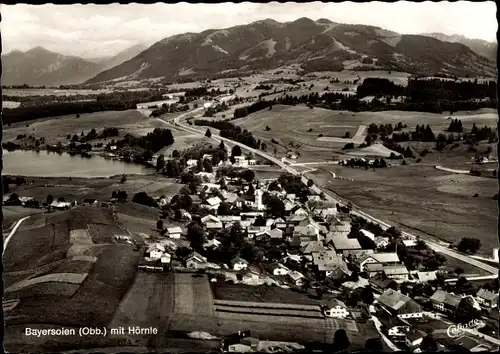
{"x":93,"y":31}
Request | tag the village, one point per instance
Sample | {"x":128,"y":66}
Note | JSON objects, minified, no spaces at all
{"x":243,"y":231}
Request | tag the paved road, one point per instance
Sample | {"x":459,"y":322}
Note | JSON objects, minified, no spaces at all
{"x":14,"y":229}
{"x":433,"y":244}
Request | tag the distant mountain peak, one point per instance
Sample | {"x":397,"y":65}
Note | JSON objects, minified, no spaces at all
{"x":324,"y":20}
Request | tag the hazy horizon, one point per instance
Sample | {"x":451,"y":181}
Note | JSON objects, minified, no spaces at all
{"x":58,"y":27}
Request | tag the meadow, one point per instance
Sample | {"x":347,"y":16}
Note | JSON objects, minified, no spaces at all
{"x":55,"y":129}
{"x":421,"y":199}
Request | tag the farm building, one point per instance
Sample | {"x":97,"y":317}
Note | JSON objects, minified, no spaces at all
{"x":336,"y":309}
{"x":192,"y":163}
{"x":196,"y":261}
{"x":380,"y":283}
{"x":397,"y":272}
{"x":211,"y":222}
{"x":398,"y":304}
{"x":342,"y":244}
{"x":296,"y":277}
{"x":238,"y":264}
{"x":487,"y":298}
{"x":174,"y":232}
{"x":444,"y":301}
{"x":279,"y":269}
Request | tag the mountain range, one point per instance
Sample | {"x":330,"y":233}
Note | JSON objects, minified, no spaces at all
{"x":316,"y":45}
{"x":41,"y":67}
{"x":479,"y":46}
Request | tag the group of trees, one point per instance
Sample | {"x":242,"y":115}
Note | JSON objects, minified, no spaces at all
{"x":455,"y":126}
{"x":116,"y":101}
{"x":231,"y":131}
{"x":169,"y":108}
{"x":377,"y":87}
{"x":357,"y":162}
{"x":469,"y":245}
{"x":152,"y":142}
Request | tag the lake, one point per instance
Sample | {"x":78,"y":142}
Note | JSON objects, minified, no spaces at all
{"x":51,"y":164}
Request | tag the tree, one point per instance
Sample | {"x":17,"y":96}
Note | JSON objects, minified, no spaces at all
{"x":374,"y":345}
{"x":248,"y":175}
{"x":236,"y":236}
{"x":275,"y":206}
{"x":50,"y":199}
{"x":469,"y":245}
{"x":459,"y":271}
{"x":236,"y":151}
{"x":196,"y":236}
{"x":160,"y":162}
{"x":144,"y":199}
{"x":207,"y":166}
{"x":429,"y":344}
{"x":208,"y":134}
{"x":310,"y":183}
{"x":466,"y":311}
{"x":159,"y":225}
{"x":340,"y":340}
{"x":123,"y":179}
{"x":13,"y":200}
{"x":260,"y":221}
{"x":224,"y":209}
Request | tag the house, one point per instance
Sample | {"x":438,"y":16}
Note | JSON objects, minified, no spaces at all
{"x":313,"y":247}
{"x":410,"y":243}
{"x":213,"y":243}
{"x":213,"y":203}
{"x":291,"y":155}
{"x":380,"y":283}
{"x":211,"y":222}
{"x":165,"y":259}
{"x":330,"y":264}
{"x":395,"y":327}
{"x":414,"y":338}
{"x":280,"y":223}
{"x":174,"y":232}
{"x":372,"y":269}
{"x":290,"y":197}
{"x":397,"y":304}
{"x":206,"y":176}
{"x":274,"y":234}
{"x":295,"y":219}
{"x":487,"y":298}
{"x":60,"y":205}
{"x":368,"y":234}
{"x":238,"y":263}
{"x":381,"y":242}
{"x":397,"y":272}
{"x":296,"y":277}
{"x":342,"y":244}
{"x":444,"y":301}
{"x":227,"y":220}
{"x":90,"y":201}
{"x":279,"y":269}
{"x":335,"y":309}
{"x":424,"y":277}
{"x":313,"y":198}
{"x":340,"y":226}
{"x":207,"y":157}
{"x":240,"y":161}
{"x":196,"y":261}
{"x":156,"y":251}
{"x":289,"y":206}
{"x":230,"y":197}
{"x":325,"y":212}
{"x":386,"y":259}
{"x":301,"y":212}
{"x":196,"y":200}
{"x":192,"y":163}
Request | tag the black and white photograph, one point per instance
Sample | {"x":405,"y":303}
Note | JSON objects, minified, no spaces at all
{"x":250,"y":177}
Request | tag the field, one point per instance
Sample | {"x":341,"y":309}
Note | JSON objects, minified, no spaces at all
{"x":56,"y":129}
{"x":95,"y":302}
{"x":11,"y":214}
{"x":98,"y":188}
{"x":192,"y":295}
{"x":292,"y":124}
{"x":420,"y":198}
